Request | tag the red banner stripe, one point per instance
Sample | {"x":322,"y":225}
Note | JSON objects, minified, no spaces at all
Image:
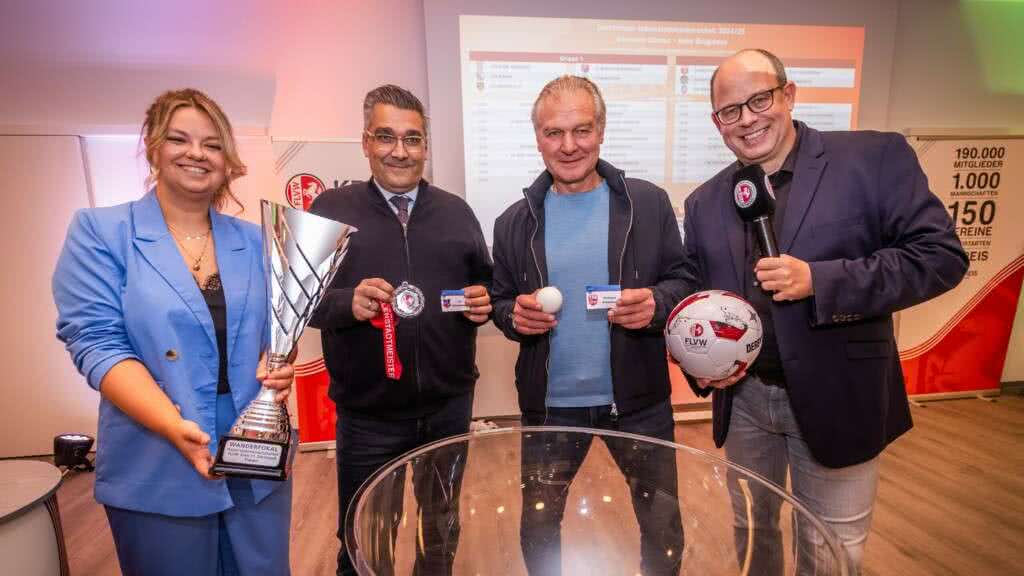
{"x":311,"y":367}
{"x":972,"y":355}
{"x":964,"y":311}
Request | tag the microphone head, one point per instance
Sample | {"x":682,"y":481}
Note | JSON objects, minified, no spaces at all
{"x":752,"y":193}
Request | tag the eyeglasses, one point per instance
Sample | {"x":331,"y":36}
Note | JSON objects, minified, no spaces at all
{"x":388,"y":141}
{"x":757,"y":103}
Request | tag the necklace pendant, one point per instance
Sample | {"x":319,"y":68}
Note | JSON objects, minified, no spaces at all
{"x":196,"y":266}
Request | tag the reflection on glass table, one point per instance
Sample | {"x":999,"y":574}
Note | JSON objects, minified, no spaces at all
{"x":546,"y":501}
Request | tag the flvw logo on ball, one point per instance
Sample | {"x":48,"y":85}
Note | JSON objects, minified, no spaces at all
{"x":713,"y":334}
{"x":302,"y":253}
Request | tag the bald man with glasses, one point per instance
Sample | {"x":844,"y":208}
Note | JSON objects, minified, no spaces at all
{"x":860,"y":237}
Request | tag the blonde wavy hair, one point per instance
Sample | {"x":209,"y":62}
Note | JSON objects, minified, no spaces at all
{"x":157,"y":123}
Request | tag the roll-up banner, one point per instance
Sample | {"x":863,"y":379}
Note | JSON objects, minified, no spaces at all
{"x":956,"y":344}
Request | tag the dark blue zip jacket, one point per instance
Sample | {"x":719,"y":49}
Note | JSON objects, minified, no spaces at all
{"x":644,"y":251}
{"x":442,"y":248}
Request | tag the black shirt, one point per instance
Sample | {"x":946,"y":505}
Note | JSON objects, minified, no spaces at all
{"x":213,"y":293}
{"x":768,"y":366}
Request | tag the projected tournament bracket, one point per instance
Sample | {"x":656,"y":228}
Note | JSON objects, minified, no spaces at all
{"x":499,"y":140}
{"x":655,"y":80}
{"x":697,"y":150}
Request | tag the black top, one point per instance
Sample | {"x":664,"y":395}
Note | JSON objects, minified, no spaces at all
{"x":877,"y":240}
{"x":213,"y":293}
{"x":441,"y":248}
{"x":768,"y":366}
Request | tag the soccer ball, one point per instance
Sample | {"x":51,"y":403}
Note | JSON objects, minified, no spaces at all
{"x":713,"y":334}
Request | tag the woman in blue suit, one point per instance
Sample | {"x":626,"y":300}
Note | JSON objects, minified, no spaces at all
{"x":162,"y":304}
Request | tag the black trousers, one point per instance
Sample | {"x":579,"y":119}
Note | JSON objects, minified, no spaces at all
{"x":365,"y":444}
{"x":550,"y":462}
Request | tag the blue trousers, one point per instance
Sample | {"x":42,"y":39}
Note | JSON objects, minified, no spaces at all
{"x":550,"y":462}
{"x":248,"y":539}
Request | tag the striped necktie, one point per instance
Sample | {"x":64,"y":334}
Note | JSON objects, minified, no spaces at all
{"x":402,"y":203}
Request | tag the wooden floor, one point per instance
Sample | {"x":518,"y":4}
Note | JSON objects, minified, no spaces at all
{"x":950,"y":501}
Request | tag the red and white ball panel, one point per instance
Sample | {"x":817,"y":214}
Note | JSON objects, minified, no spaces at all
{"x":713,"y":334}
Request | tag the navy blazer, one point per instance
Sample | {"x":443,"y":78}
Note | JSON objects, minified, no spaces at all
{"x":123,"y":291}
{"x":877,"y":240}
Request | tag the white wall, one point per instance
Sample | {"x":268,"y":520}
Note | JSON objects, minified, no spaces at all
{"x":42,"y":393}
{"x":1013,"y":369}
{"x":298,"y":68}
{"x":937,"y":79}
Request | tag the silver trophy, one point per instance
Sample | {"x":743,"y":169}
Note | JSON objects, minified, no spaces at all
{"x":302,"y":254}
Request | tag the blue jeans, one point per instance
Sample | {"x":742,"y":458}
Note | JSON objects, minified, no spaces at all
{"x":550,"y":463}
{"x":365,"y":443}
{"x":764,"y":437}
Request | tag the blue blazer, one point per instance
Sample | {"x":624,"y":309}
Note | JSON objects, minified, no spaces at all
{"x":878,"y":241}
{"x":123,"y":291}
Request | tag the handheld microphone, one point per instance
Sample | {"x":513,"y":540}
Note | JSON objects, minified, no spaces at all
{"x":755,"y":203}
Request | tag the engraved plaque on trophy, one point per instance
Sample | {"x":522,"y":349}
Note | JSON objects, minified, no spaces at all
{"x":302,"y":253}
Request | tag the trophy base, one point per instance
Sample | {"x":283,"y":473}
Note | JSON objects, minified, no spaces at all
{"x":253,"y":459}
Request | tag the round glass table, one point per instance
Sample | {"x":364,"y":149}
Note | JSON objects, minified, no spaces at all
{"x":573,"y":501}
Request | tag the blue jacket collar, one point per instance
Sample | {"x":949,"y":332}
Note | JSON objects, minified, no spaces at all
{"x":535,"y":192}
{"x":155,"y":243}
{"x":148,"y":221}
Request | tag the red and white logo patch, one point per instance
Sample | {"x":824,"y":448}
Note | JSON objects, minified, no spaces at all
{"x":696,"y":330}
{"x":745,"y":193}
{"x":302,"y":189}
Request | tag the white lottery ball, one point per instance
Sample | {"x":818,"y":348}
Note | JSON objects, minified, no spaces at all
{"x":550,"y":299}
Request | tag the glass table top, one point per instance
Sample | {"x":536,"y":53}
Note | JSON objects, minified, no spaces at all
{"x":547,"y":500}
